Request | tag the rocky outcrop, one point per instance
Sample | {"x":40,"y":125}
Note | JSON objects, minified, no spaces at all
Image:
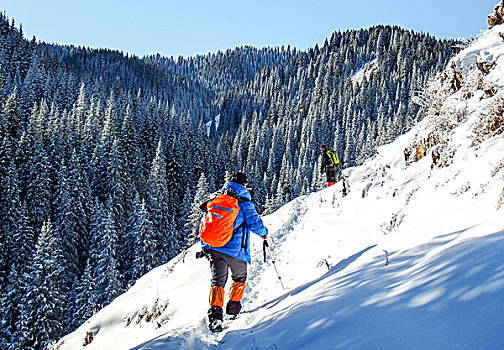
{"x":497,"y":16}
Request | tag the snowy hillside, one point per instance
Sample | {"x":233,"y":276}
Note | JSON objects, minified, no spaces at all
{"x":411,"y":258}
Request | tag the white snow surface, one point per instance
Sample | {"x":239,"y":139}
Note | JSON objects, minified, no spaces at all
{"x":418,"y":263}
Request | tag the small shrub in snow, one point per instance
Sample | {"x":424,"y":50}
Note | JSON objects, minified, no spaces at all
{"x":493,"y":123}
{"x":498,"y":167}
{"x":386,"y":257}
{"x":410,"y":195}
{"x":335,"y":203}
{"x":158,"y":308}
{"x":496,"y":124}
{"x":475,"y":81}
{"x":324,"y":262}
{"x":463,"y":189}
{"x":396,"y":220}
{"x":141,"y":314}
{"x":500,"y":202}
{"x":154,"y":314}
{"x":53,"y":346}
{"x":450,"y":117}
{"x":490,"y":90}
{"x":446,"y":158}
{"x":89,"y":338}
{"x":485,"y":67}
{"x":433,"y":96}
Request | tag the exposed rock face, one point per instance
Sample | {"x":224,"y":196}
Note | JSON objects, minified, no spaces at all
{"x":497,"y":16}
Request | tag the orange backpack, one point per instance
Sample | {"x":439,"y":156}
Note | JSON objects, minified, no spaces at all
{"x":216,"y":227}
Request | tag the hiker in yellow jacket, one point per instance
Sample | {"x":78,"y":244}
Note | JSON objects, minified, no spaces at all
{"x":330,"y":165}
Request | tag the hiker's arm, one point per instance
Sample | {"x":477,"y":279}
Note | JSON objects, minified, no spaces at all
{"x":254,"y":222}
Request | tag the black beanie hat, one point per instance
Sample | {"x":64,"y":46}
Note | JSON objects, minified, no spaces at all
{"x":239,"y":178}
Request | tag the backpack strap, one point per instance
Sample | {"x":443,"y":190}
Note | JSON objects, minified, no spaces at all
{"x":240,"y":199}
{"x":244,"y":237}
{"x":330,"y":161}
{"x":239,"y":227}
{"x":233,"y":194}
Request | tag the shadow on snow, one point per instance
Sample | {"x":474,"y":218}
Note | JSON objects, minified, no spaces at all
{"x":441,"y":295}
{"x":446,"y":294}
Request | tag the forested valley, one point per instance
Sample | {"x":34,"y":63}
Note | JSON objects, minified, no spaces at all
{"x":105,"y":156}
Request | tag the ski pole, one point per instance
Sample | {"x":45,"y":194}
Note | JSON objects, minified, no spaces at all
{"x":266,"y":245}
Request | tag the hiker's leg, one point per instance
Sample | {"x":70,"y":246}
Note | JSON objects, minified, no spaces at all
{"x":239,"y":276}
{"x":331,"y":175}
{"x":219,"y":270}
{"x":218,"y":267}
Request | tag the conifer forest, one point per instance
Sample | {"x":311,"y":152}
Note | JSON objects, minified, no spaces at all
{"x":105,"y":156}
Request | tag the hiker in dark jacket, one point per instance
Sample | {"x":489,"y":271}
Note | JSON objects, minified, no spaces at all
{"x":329,"y":167}
{"x":235,"y":254}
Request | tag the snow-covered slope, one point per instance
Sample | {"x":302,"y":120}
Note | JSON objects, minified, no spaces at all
{"x":411,"y":258}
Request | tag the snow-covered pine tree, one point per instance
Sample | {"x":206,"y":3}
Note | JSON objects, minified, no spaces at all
{"x":44,"y":304}
{"x":160,"y":212}
{"x":10,"y":215}
{"x":107,"y":274}
{"x":194,"y":218}
{"x":84,"y":302}
{"x":148,"y":252}
{"x":72,"y":221}
{"x":39,"y":172}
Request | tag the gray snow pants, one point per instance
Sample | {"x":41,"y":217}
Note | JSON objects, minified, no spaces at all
{"x":219,"y":265}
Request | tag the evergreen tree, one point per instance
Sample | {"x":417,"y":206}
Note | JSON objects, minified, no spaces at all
{"x":72,"y":222}
{"x":11,"y":119}
{"x":107,"y":273}
{"x":194,"y":218}
{"x":39,"y":171}
{"x":159,"y":209}
{"x":85,"y":304}
{"x":148,"y":253}
{"x":43,"y":307}
{"x":10,"y":215}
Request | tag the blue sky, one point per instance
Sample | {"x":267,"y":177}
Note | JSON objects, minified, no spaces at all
{"x":188,"y":28}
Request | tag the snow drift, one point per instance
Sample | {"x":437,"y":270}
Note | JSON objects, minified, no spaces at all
{"x":411,"y":258}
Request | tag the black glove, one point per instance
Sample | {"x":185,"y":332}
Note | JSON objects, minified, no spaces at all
{"x":201,"y":254}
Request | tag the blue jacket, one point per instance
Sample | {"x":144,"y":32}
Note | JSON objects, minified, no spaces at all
{"x":239,"y":245}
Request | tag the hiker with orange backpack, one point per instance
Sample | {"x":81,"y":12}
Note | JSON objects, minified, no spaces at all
{"x":225,"y":229}
{"x":330,"y":165}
